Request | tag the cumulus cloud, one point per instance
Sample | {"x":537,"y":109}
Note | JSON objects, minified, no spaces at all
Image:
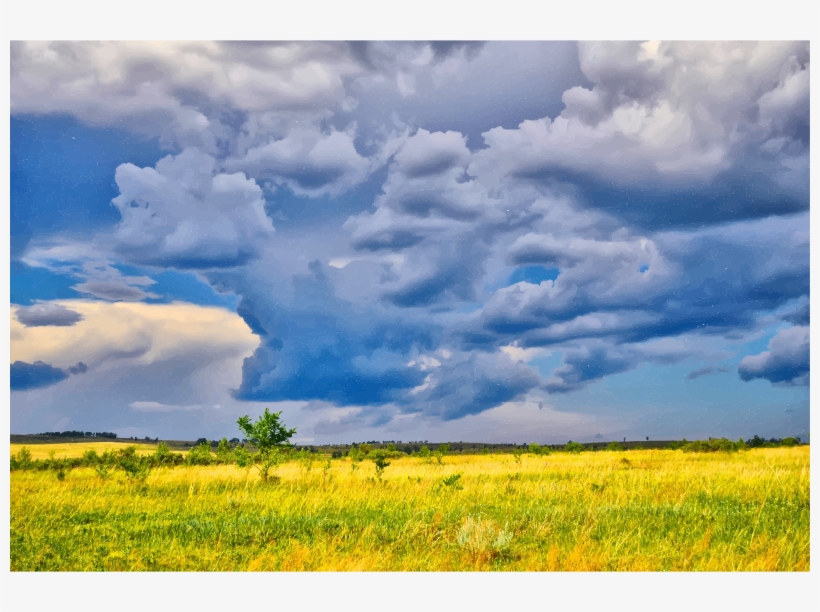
{"x":177,"y":90}
{"x":47,"y":314}
{"x":307,"y":161}
{"x":185,"y":214}
{"x":785,"y":363}
{"x":134,"y":333}
{"x":669,"y":116}
{"x":426,"y":154}
{"x":468,"y":383}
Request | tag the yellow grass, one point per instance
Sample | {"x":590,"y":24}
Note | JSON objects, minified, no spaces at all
{"x":76,"y":449}
{"x":644,"y":510}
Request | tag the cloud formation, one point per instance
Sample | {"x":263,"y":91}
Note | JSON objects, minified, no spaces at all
{"x":438,"y":216}
{"x":34,"y":375}
{"x":785,"y":363}
{"x":47,"y":314}
{"x":185,"y":214}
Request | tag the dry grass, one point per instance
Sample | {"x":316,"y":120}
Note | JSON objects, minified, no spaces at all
{"x":637,"y":510}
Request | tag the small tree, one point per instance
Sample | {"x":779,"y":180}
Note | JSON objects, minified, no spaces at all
{"x":379,"y":458}
{"x":356,"y":457}
{"x":443,"y":449}
{"x":268,"y":435}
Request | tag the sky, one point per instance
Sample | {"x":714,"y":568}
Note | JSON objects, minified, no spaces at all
{"x":488,"y":242}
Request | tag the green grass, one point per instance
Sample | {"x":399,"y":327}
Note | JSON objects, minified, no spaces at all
{"x":659,"y":510}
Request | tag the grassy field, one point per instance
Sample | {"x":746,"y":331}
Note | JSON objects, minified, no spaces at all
{"x":76,"y":449}
{"x":637,"y":510}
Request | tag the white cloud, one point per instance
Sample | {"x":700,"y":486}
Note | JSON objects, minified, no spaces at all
{"x":307,"y":161}
{"x":134,"y":333}
{"x":185,"y":214}
{"x":786,"y":362}
{"x":668,"y":113}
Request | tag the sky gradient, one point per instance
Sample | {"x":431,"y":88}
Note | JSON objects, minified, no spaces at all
{"x":503,"y":241}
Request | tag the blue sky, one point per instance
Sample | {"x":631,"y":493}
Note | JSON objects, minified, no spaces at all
{"x":488,"y":241}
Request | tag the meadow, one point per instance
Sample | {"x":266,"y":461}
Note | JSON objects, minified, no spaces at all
{"x":638,"y":510}
{"x":76,"y":449}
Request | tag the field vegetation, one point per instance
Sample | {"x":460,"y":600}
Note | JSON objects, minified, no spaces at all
{"x":705,"y":507}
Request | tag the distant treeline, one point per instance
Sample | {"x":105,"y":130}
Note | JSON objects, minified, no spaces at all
{"x":78,"y":434}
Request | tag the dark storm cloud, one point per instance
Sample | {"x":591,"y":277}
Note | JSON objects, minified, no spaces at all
{"x":35,"y":375}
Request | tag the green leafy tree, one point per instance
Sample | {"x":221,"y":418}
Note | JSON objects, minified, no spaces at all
{"x":535,"y":449}
{"x":269,"y":435}
{"x":615,"y":446}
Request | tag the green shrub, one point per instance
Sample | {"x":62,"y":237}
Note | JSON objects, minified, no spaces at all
{"x":199,"y":455}
{"x":615,"y":446}
{"x":90,"y":457}
{"x":242,"y":456}
{"x":574,"y":447}
{"x":22,"y":460}
{"x":452,"y":481}
{"x":379,"y":458}
{"x":711,"y":446}
{"x":136,"y":468}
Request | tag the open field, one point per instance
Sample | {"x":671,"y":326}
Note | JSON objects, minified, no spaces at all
{"x":634,"y":510}
{"x":76,"y":449}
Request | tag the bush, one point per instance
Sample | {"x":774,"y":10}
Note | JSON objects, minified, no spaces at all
{"x":243,"y":457}
{"x":711,"y":446}
{"x":22,"y":460}
{"x":615,"y":446}
{"x":574,"y":447}
{"x":199,"y":455}
{"x":136,"y":468}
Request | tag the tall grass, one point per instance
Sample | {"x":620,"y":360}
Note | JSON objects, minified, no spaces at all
{"x":636,"y":510}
